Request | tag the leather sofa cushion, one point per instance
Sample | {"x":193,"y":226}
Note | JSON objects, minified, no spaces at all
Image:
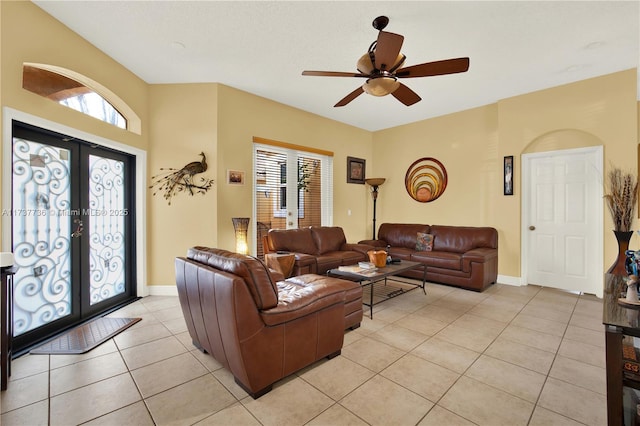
{"x":255,"y":273}
{"x":305,"y":294}
{"x":328,"y":238}
{"x":401,"y":253}
{"x":294,"y":240}
{"x":401,"y":234}
{"x":439,"y":259}
{"x":328,"y":261}
{"x":460,"y":239}
{"x":337,"y":258}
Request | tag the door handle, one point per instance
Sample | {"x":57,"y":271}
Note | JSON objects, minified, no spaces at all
{"x":78,"y":232}
{"x":532,"y":228}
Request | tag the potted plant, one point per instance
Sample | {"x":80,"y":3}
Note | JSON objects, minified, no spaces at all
{"x":621,"y":201}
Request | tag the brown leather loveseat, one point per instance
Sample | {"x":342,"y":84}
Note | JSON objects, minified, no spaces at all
{"x":317,"y":248}
{"x":462,"y":256}
{"x":262,"y":328}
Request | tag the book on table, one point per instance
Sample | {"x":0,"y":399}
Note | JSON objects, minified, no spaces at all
{"x":357,"y":269}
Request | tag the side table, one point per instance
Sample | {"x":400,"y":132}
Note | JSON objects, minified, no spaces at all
{"x":281,"y":262}
{"x":6,"y":324}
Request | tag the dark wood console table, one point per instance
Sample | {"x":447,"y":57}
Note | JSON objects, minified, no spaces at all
{"x":621,"y":325}
{"x":6,"y":326}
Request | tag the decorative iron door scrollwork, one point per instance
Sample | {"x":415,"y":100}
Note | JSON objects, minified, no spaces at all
{"x":106,"y":231}
{"x":71,"y":217}
{"x":41,"y":234}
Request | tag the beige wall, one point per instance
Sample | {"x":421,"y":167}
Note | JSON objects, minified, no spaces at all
{"x":28,"y":34}
{"x":183,"y":124}
{"x":31,"y":35}
{"x":241,"y":116}
{"x":466,"y":144}
{"x":181,"y":120}
{"x":471,"y":144}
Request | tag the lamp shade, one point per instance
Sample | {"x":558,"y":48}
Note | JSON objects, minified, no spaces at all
{"x":241,"y":226}
{"x":380,"y":86}
{"x":375,"y":181}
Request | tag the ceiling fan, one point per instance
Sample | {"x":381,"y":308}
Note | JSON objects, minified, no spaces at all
{"x":381,"y":67}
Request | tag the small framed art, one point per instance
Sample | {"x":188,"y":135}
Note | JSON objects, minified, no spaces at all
{"x":508,"y":175}
{"x":355,"y":170}
{"x":235,"y":177}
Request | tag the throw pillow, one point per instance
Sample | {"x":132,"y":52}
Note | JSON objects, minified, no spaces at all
{"x":424,"y":242}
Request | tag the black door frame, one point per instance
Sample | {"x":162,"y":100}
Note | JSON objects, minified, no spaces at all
{"x":81,"y":310}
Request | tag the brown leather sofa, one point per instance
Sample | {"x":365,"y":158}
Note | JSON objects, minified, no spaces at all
{"x":317,"y":248}
{"x":462,"y":256}
{"x":262,"y":328}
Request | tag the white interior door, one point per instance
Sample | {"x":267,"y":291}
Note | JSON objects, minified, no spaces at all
{"x":562,"y":219}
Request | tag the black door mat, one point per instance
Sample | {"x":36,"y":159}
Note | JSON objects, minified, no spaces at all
{"x":85,"y":337}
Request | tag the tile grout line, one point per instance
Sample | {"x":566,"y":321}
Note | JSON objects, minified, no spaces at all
{"x":555,"y":355}
{"x":470,"y":365}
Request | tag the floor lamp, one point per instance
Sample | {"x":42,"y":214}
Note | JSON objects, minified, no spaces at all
{"x":374,"y":183}
{"x":240,"y":226}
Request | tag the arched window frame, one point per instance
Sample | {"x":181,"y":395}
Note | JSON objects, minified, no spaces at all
{"x":134,"y":124}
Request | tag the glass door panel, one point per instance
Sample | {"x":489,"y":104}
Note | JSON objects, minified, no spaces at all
{"x":107,"y":228}
{"x":292,"y":189}
{"x":71,"y":217}
{"x":41,"y":215}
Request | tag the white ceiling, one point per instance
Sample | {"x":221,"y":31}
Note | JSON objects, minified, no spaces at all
{"x":262,"y":47}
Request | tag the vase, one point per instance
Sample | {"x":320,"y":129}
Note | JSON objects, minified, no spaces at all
{"x":618,"y":267}
{"x":378,"y":258}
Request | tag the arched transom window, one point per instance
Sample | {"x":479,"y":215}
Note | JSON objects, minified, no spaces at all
{"x":79,"y":93}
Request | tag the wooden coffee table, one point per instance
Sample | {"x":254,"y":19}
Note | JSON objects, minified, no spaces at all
{"x":389,"y":285}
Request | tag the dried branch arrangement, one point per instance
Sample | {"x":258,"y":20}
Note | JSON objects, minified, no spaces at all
{"x":622,"y":197}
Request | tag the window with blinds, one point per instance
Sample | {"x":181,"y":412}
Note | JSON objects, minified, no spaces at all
{"x":293,"y":189}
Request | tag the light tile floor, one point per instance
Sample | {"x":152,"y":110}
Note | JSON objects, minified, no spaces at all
{"x":507,"y":356}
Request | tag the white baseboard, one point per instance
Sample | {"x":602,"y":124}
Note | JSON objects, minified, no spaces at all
{"x":162,"y":290}
{"x":508,"y":280}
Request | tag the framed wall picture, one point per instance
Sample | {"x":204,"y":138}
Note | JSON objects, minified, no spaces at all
{"x":235,"y":177}
{"x":355,"y":170}
{"x":508,"y":175}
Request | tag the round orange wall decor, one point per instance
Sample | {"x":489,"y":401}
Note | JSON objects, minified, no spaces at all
{"x":426,"y":179}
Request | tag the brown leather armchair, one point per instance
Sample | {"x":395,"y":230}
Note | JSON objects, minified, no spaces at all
{"x":261,"y":329}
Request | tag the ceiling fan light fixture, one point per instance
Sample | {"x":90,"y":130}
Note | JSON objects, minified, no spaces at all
{"x":364,"y":64}
{"x":380,"y":86}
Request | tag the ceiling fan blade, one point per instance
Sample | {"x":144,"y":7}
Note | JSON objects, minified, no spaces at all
{"x":333,"y":74}
{"x":351,"y":96}
{"x":448,"y":66}
{"x":406,"y":95}
{"x":387,"y":49}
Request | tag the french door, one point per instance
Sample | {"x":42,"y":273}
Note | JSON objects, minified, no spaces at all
{"x":71,"y":219}
{"x":292,"y":189}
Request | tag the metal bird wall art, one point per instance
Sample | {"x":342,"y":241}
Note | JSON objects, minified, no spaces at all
{"x":172,"y":181}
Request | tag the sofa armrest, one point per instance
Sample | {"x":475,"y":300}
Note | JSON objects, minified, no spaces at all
{"x":478,"y":255}
{"x":304,"y":264}
{"x":360,"y":248}
{"x":276,"y":276}
{"x":304,"y":259}
{"x":374,"y":243}
{"x":301,"y":296}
